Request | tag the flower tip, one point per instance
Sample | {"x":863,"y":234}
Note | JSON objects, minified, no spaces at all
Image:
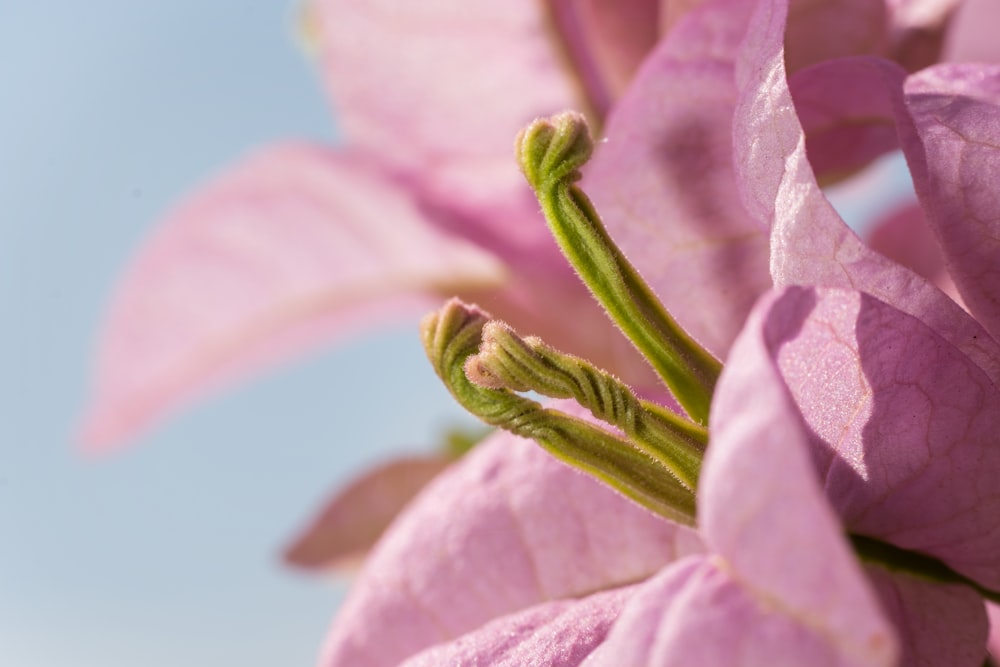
{"x":479,"y":374}
{"x":449,"y":326}
{"x":552,"y":149}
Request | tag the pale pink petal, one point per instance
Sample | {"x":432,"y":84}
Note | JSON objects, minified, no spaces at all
{"x":904,"y":425}
{"x":904,"y":237}
{"x":698,"y":612}
{"x":824,"y":29}
{"x":910,"y":32}
{"x":845,"y":132}
{"x":560,"y":633}
{"x":663,"y":179}
{"x":973,"y":35}
{"x":504,"y":529}
{"x":357,"y":515}
{"x":810,"y":244}
{"x":993,"y":612}
{"x":938,"y":624}
{"x":918,"y":30}
{"x":606,"y":40}
{"x":439,"y":88}
{"x":294,"y":247}
{"x":955,"y":159}
{"x":782,"y":586}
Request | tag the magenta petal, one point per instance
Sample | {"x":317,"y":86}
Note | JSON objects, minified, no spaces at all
{"x":294,"y":247}
{"x":845,"y":132}
{"x":905,"y":425}
{"x":663,"y":180}
{"x":938,"y":624}
{"x":504,"y":529}
{"x":955,"y":159}
{"x":560,"y":633}
{"x":810,"y":244}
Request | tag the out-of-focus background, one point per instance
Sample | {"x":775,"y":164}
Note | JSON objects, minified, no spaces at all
{"x":167,"y":553}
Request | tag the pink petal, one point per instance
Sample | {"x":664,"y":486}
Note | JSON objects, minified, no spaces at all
{"x":504,"y":529}
{"x":918,"y":30}
{"x":353,"y":520}
{"x":845,"y":132}
{"x":904,"y":237}
{"x":938,"y":624}
{"x":294,"y":247}
{"x":955,"y":158}
{"x":973,"y":37}
{"x":559,"y":633}
{"x":439,"y":88}
{"x":810,"y":244}
{"x":993,"y":612}
{"x":904,"y":424}
{"x":698,"y":612}
{"x":910,"y":32}
{"x":606,"y":40}
{"x":783,"y":587}
{"x":820,"y":30}
{"x":663,"y":180}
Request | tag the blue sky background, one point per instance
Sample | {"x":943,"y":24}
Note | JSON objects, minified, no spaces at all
{"x":166,"y":554}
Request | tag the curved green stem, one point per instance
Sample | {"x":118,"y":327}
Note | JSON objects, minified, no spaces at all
{"x":895,"y":559}
{"x":453,"y":334}
{"x":505,"y":360}
{"x":550,"y":152}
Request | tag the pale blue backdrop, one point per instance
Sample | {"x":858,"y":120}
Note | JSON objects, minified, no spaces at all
{"x":166,"y":554}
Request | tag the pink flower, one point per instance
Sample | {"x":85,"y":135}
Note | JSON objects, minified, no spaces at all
{"x":857,"y":400}
{"x":302,"y":244}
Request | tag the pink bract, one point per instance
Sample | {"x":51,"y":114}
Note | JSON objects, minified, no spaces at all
{"x":429,"y":97}
{"x":857,"y":398}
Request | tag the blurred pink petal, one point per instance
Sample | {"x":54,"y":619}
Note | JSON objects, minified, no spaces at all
{"x":606,"y":40}
{"x":439,"y":88}
{"x":560,"y":633}
{"x":663,"y":180}
{"x":938,"y":624}
{"x":846,"y":132}
{"x":973,"y":36}
{"x":810,"y":244}
{"x":353,"y":520}
{"x":993,"y":613}
{"x":918,"y":30}
{"x":910,"y":32}
{"x":824,"y":29}
{"x":295,"y":247}
{"x":504,"y":529}
{"x":955,"y":158}
{"x":904,"y":237}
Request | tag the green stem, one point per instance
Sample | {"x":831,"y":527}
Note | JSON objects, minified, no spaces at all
{"x":550,"y":152}
{"x":507,"y":361}
{"x":915,"y":564}
{"x":453,"y":334}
